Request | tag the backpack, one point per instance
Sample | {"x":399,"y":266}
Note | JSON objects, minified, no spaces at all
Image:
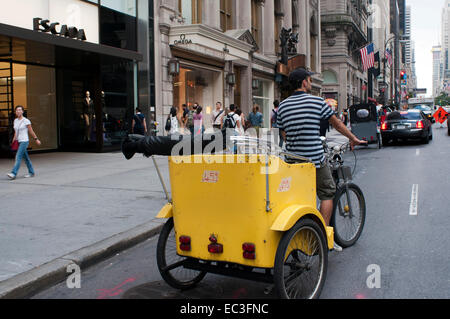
{"x":190,"y":119}
{"x":275,"y":119}
{"x":168,"y":124}
{"x":229,"y":122}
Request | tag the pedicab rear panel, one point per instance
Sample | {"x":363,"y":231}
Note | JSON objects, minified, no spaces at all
{"x":222,"y":200}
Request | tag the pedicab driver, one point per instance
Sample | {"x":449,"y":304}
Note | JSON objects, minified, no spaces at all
{"x":299,"y":121}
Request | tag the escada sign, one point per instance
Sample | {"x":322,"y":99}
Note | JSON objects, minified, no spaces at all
{"x":69,"y":32}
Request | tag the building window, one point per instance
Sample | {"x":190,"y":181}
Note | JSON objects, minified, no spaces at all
{"x":329,"y":77}
{"x":256,"y":21}
{"x":124,"y":6}
{"x":191,"y":10}
{"x":226,"y":15}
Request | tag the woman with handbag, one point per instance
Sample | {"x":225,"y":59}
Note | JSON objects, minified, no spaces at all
{"x":22,"y":126}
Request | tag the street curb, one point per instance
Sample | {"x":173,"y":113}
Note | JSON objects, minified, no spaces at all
{"x":31,"y":282}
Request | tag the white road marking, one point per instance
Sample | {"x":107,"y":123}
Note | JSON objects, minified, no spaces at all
{"x":417,"y":152}
{"x":414,"y":200}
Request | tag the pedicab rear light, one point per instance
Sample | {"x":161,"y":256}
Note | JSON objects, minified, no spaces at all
{"x":185,"y":243}
{"x":249,"y":251}
{"x":419,"y":125}
{"x":215,"y":248}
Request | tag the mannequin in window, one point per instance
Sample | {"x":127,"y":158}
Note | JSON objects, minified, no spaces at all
{"x":88,"y":114}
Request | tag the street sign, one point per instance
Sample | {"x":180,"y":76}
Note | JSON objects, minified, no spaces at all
{"x":420,"y":91}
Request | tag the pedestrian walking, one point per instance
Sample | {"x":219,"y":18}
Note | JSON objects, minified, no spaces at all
{"x":173,"y":123}
{"x":241,"y":121}
{"x":274,"y":120}
{"x":139,"y":125}
{"x":345,"y":116}
{"x":232,"y":120}
{"x":217,"y":116}
{"x":256,"y":119}
{"x":22,"y":127}
{"x":189,"y":119}
{"x":198,"y":121}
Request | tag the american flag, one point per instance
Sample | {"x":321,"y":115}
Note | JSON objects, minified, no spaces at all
{"x":388,"y":55}
{"x":368,"y":56}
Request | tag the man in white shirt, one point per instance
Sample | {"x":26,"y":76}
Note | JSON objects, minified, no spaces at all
{"x":232,"y":120}
{"x":217,"y":117}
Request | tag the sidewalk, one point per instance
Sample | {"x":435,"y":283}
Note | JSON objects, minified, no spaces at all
{"x":336,"y":138}
{"x":75,"y":200}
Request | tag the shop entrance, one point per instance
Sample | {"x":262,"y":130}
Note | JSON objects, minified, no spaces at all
{"x":32,"y":87}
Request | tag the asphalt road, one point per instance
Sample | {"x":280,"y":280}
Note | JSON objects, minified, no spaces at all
{"x":403,"y":245}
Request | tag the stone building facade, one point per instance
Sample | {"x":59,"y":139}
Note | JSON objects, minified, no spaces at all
{"x":344,"y":32}
{"x":227,"y":51}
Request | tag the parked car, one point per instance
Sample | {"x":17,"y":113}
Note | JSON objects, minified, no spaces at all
{"x":427,"y":111}
{"x":448,"y":125}
{"x":411,"y":124}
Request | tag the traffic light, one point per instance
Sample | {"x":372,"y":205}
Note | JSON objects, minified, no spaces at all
{"x":403,"y":75}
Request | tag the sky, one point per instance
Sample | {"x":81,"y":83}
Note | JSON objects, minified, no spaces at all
{"x":425,"y":32}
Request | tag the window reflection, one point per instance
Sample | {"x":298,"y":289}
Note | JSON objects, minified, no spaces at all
{"x":118,"y":28}
{"x":123,"y":6}
{"x":117,"y":99}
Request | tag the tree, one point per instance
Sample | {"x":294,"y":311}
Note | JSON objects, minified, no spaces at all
{"x":442,"y":100}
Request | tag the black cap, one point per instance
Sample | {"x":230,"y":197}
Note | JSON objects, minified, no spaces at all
{"x":299,"y":75}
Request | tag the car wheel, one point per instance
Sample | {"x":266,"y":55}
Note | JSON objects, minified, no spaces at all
{"x":385,"y":141}
{"x":426,"y":139}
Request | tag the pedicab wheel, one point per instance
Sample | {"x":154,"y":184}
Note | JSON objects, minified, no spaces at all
{"x":170,"y":264}
{"x":301,"y":261}
{"x":349,"y":215}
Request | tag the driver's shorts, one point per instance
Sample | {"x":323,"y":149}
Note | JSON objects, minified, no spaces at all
{"x":326,"y":187}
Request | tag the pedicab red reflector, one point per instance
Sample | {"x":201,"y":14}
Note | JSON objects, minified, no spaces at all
{"x":215,"y":248}
{"x":248,"y":247}
{"x":185,"y":243}
{"x":249,"y":251}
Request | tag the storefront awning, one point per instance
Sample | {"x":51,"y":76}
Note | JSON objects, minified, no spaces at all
{"x":59,"y":41}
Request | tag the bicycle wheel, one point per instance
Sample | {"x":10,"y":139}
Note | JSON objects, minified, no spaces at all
{"x":301,"y":262}
{"x":349,"y":215}
{"x":170,"y":264}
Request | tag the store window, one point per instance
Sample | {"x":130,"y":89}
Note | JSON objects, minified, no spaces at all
{"x":35,"y":89}
{"x":226,"y":15}
{"x":119,"y":89}
{"x":263,"y":97}
{"x":197,"y":85}
{"x":191,"y":10}
{"x":118,"y":24}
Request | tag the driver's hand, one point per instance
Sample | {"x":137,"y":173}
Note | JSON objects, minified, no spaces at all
{"x":355,"y":142}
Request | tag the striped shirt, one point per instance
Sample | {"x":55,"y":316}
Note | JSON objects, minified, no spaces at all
{"x":299,"y":116}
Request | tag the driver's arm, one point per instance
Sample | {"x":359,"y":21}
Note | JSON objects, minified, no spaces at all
{"x":341,"y":128}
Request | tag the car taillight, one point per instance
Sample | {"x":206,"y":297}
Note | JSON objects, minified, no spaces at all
{"x":384,"y":126}
{"x":185,"y":243}
{"x":419,"y":125}
{"x":249,"y":251}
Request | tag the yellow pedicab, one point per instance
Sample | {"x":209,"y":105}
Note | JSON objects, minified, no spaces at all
{"x":272,"y":233}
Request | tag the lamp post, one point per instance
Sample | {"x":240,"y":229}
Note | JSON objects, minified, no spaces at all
{"x":395,"y":83}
